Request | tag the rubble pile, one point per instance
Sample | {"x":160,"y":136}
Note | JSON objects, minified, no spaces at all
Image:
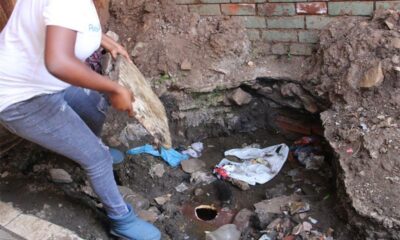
{"x":358,"y":69}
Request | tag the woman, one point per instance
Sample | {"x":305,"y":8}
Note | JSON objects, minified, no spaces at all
{"x":45,"y":96}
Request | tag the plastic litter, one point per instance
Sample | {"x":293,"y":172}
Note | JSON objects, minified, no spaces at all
{"x":265,"y":237}
{"x":308,"y":152}
{"x":171,"y":156}
{"x":198,"y":146}
{"x":194,"y":150}
{"x":191,"y":153}
{"x":257,"y":166}
{"x":226,"y":232}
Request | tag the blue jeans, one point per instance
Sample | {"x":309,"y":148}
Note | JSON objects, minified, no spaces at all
{"x":69,"y":123}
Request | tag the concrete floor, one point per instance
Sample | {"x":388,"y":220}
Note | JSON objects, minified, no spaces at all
{"x":15,"y":225}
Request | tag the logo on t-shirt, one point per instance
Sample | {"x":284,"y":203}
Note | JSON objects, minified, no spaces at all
{"x":94,"y":28}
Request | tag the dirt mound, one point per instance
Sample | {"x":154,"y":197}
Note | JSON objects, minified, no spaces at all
{"x":357,"y":68}
{"x":182,"y":49}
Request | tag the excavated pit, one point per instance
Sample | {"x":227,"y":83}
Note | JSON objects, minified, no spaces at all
{"x":264,"y":121}
{"x":219,"y":89}
{"x":268,"y":119}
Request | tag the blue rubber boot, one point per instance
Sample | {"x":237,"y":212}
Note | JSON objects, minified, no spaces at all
{"x":117,"y":155}
{"x":131,"y":227}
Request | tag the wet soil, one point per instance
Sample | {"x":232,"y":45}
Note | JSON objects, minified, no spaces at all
{"x":317,"y":186}
{"x":66,"y":205}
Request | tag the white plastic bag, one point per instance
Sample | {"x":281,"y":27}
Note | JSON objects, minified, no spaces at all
{"x":258,"y":166}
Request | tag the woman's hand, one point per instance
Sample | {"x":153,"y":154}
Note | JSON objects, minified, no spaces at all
{"x":121,"y":99}
{"x":113,"y":47}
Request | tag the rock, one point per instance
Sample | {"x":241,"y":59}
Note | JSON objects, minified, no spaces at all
{"x":181,"y":187}
{"x":295,"y":90}
{"x":389,"y":24}
{"x":240,"y":97}
{"x":163,"y":199}
{"x":244,"y":186}
{"x":4,"y":174}
{"x":396,"y":43}
{"x":148,"y":216}
{"x":192,"y":165}
{"x":137,"y":201}
{"x":138,"y":48}
{"x":60,"y":176}
{"x":88,"y":190}
{"x":113,"y":36}
{"x":186,"y":65}
{"x":242,"y":219}
{"x":155,"y":210}
{"x":227,"y":101}
{"x":396,"y":59}
{"x":373,"y":77}
{"x":157,"y":170}
{"x":226,"y":232}
{"x":265,"y":91}
{"x":298,"y":207}
{"x":274,"y":205}
{"x":307,"y":226}
{"x":201,"y":177}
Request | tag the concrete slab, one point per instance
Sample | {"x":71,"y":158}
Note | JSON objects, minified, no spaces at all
{"x":7,"y":213}
{"x":31,"y":227}
{"x":15,"y":225}
{"x":6,"y":235}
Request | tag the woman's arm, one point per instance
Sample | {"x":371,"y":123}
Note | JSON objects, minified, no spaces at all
{"x":61,"y":62}
{"x":113,"y":47}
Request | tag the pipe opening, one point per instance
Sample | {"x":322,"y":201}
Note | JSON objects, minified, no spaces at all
{"x":206,"y":213}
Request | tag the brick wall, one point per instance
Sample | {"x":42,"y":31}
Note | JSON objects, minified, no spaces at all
{"x":290,"y":26}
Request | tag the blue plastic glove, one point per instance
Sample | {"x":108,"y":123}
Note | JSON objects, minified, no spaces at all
{"x":171,"y":156}
{"x":149,"y":149}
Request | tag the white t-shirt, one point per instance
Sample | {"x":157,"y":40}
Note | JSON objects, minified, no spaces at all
{"x":23,"y":73}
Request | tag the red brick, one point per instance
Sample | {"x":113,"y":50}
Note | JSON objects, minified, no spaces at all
{"x":288,"y":125}
{"x":315,"y":8}
{"x":276,"y":9}
{"x":238,"y":9}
